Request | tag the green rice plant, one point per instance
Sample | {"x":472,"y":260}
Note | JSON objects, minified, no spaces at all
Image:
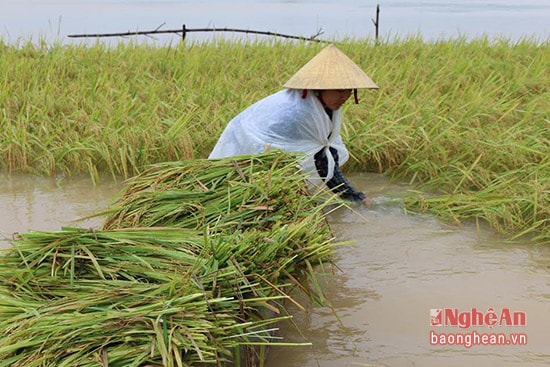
{"x":105,"y":292}
{"x":134,"y":324}
{"x":466,"y":121}
{"x":119,"y":108}
{"x":514,"y":203}
{"x":232,"y":193}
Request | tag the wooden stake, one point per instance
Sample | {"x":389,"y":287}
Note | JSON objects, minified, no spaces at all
{"x":376,"y":23}
{"x":185,"y":30}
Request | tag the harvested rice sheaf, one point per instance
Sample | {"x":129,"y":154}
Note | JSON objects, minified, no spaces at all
{"x":231,"y":193}
{"x":191,"y":260}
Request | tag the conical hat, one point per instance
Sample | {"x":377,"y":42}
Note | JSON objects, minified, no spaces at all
{"x":330,"y":69}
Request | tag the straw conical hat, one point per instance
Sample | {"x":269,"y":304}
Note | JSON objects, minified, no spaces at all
{"x":330,"y":69}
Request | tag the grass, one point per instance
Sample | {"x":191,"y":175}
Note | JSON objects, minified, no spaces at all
{"x":466,"y":120}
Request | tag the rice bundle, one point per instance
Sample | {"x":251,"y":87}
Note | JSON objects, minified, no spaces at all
{"x":231,"y":193}
{"x":183,"y":272}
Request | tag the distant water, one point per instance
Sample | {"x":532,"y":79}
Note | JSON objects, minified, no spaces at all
{"x":431,"y":19}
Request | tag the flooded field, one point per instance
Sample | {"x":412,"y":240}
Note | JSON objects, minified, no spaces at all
{"x":402,"y":266}
{"x":46,"y":204}
{"x":398,"y":268}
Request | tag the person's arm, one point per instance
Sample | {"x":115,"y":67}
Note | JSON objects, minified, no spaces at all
{"x":338,"y":183}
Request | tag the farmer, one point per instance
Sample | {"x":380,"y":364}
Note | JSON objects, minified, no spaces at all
{"x":306,"y":118}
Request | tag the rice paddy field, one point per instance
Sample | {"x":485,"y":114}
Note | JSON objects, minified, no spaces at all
{"x":465,"y":121}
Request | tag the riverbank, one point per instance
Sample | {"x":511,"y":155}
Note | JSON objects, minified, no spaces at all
{"x":467,"y":119}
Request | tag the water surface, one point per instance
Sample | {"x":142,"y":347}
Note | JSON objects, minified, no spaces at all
{"x":46,"y":204}
{"x":398,"y":267}
{"x":432,"y":19}
{"x":402,"y":266}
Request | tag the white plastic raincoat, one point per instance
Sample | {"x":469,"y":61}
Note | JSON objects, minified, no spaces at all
{"x":287,"y":121}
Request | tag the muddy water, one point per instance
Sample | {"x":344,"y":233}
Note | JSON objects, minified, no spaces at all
{"x":46,"y":204}
{"x":402,"y":266}
{"x":397,"y":269}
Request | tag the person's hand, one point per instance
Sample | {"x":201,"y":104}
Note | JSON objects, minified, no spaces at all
{"x":368,"y":202}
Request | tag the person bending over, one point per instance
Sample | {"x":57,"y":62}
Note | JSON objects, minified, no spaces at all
{"x":306,"y":118}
